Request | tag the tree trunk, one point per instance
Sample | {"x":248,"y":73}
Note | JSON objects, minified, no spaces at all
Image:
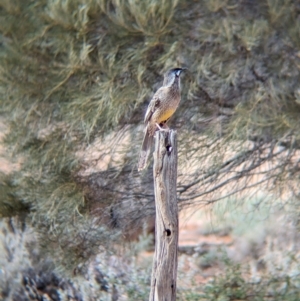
{"x":164,"y":269}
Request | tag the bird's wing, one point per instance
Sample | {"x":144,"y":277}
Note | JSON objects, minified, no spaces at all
{"x":153,"y":105}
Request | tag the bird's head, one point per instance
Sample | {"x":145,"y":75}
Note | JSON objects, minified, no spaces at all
{"x":172,"y":76}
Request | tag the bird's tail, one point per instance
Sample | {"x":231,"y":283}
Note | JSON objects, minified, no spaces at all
{"x":145,"y":151}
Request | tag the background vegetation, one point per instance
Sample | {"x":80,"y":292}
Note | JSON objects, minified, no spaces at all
{"x":75,"y":79}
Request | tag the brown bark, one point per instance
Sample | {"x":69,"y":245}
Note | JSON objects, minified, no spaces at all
{"x":164,"y":269}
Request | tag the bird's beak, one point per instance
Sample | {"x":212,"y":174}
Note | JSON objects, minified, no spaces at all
{"x":183,"y":69}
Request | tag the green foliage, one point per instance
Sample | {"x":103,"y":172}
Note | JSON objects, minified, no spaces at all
{"x":234,"y":283}
{"x":10,"y":204}
{"x":147,"y":18}
{"x":73,"y":71}
{"x":26,"y":273}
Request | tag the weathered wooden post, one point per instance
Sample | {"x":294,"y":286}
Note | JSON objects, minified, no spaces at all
{"x":164,"y":268}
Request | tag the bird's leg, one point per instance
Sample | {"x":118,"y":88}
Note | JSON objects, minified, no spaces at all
{"x":164,"y":124}
{"x":162,"y":129}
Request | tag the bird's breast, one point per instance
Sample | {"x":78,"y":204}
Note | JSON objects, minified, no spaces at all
{"x":165,"y":114}
{"x":167,"y":109}
{"x":169,"y":100}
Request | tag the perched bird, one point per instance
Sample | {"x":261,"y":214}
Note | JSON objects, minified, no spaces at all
{"x":161,"y":107}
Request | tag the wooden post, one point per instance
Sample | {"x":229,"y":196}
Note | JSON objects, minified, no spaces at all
{"x":164,"y":268}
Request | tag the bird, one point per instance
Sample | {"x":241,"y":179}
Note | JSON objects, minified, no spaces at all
{"x":160,"y":109}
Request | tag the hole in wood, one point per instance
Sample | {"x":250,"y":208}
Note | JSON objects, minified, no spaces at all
{"x":168,"y":231}
{"x":169,"y":149}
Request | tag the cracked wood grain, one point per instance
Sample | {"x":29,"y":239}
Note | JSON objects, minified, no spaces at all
{"x":164,"y":268}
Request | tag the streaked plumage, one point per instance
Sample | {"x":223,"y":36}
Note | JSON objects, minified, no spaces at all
{"x":161,"y":107}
